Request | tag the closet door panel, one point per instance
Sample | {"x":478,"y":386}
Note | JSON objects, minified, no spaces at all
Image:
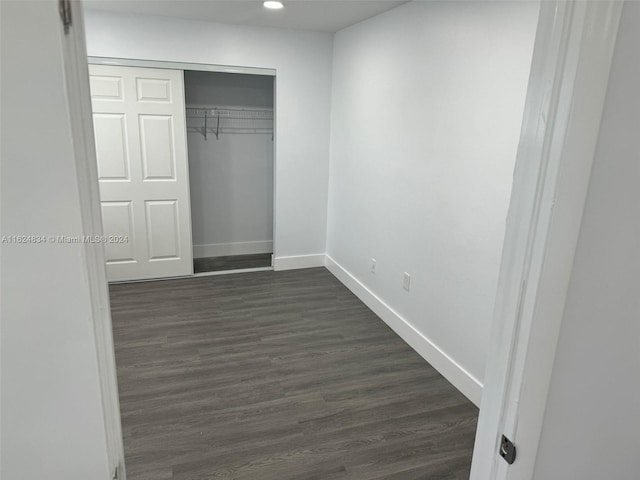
{"x":157,"y":149}
{"x":111,"y":146}
{"x":153,"y":90}
{"x":139,"y":127}
{"x":117,"y":220}
{"x":106,"y":87}
{"x":163,"y":230}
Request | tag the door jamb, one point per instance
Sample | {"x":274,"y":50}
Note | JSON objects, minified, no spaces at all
{"x":567,"y":88}
{"x":76,"y":71}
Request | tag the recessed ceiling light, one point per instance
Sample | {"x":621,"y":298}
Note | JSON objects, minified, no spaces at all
{"x":273,"y":5}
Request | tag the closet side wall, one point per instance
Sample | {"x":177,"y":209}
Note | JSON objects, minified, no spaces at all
{"x":231,"y":177}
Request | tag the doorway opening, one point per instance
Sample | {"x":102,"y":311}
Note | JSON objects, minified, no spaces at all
{"x":229,"y":122}
{"x":186,"y":167}
{"x":497,"y":410}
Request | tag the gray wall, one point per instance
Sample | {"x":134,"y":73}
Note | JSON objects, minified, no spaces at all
{"x":237,"y":89}
{"x":591,"y":424}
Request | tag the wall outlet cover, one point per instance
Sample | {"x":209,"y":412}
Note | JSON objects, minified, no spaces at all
{"x":406,"y":282}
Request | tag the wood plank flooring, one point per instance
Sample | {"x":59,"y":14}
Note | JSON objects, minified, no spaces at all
{"x":232,"y":262}
{"x":278,"y":376}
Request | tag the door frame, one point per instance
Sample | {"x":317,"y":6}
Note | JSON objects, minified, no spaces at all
{"x":205,"y":67}
{"x":572,"y":57}
{"x":76,"y":69}
{"x":571,"y":62}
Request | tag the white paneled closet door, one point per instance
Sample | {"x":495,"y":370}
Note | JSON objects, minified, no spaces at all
{"x":139,"y":123}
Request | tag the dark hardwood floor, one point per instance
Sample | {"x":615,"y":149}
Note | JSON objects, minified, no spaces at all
{"x":232,"y":262}
{"x":278,"y":376}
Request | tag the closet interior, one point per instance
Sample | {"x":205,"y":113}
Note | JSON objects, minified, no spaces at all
{"x":230,"y":128}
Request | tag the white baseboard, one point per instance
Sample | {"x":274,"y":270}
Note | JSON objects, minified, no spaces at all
{"x":458,"y":376}
{"x":236,"y":248}
{"x":298,"y":261}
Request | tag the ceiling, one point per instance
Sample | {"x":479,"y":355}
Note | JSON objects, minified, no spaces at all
{"x":316,"y":15}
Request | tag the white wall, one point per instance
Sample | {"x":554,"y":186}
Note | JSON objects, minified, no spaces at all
{"x":303,"y":95}
{"x":231,"y":178}
{"x":591,"y":423}
{"x":426,"y":112}
{"x":51,"y":410}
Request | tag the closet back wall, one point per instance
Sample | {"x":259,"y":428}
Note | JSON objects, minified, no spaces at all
{"x":231,"y":177}
{"x":303,"y":98}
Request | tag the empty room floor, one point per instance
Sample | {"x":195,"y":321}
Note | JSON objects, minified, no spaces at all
{"x":278,"y":376}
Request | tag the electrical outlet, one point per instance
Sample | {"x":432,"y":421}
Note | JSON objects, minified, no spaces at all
{"x":406,"y":282}
{"x":373,"y":265}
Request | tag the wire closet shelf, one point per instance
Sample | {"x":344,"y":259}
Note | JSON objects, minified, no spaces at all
{"x":218,"y":120}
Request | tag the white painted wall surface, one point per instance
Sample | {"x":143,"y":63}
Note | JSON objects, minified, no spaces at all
{"x":303,"y":95}
{"x":231,"y":178}
{"x":591,"y":423}
{"x":51,"y":412}
{"x":426,"y":113}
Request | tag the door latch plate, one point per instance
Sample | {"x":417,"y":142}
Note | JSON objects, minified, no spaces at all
{"x":507,"y":450}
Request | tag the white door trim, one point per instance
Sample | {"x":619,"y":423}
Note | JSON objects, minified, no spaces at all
{"x":567,"y":87}
{"x":203,"y":67}
{"x":77,"y":78}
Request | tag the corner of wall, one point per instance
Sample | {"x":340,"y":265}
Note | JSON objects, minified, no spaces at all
{"x":466,"y":383}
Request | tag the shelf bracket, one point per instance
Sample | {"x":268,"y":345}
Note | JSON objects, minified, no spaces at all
{"x":205,"y":124}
